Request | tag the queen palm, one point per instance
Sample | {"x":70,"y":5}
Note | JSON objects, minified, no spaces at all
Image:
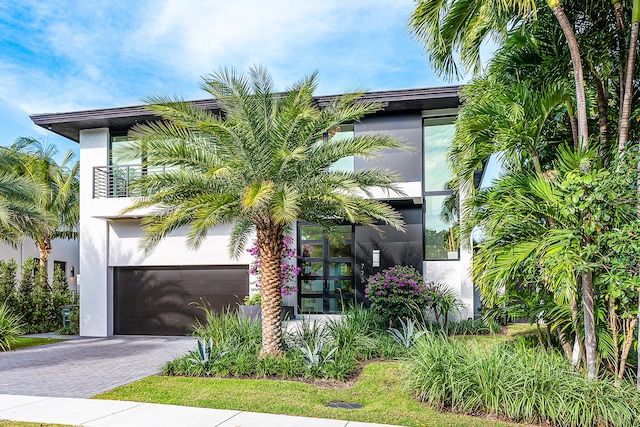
{"x":60,"y":186}
{"x":260,"y":165}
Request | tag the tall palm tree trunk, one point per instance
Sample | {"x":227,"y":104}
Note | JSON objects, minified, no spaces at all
{"x":44,"y":249}
{"x":576,"y":61}
{"x":602,"y":108}
{"x":589,"y":323}
{"x":270,"y":246}
{"x":583,"y":136}
{"x":628,"y":82}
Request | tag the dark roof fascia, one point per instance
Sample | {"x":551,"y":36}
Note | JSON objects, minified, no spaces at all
{"x":70,"y":124}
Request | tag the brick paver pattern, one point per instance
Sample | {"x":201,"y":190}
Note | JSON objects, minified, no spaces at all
{"x":86,"y":367}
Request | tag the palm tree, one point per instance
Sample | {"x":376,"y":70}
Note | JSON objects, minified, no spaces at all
{"x":20,"y":200}
{"x":459,"y":27}
{"x":261,"y":165}
{"x":60,"y":192}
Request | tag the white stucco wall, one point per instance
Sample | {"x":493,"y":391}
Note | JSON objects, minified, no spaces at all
{"x":95,"y":290}
{"x":124,"y":239}
{"x":456,"y":275}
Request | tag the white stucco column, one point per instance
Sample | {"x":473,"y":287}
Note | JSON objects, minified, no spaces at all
{"x":96,"y":304}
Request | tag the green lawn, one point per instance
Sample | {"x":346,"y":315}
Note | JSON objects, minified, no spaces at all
{"x":24,"y":342}
{"x":377,"y":388}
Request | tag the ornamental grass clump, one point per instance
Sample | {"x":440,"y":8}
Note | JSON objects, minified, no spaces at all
{"x":518,"y":383}
{"x":397,"y":292}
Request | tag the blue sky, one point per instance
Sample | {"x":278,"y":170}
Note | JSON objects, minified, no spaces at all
{"x":66,"y":55}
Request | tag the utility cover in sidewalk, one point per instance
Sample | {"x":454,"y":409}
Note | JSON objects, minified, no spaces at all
{"x":344,"y":405}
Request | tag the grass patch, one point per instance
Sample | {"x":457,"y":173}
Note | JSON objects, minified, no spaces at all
{"x":377,"y":388}
{"x":518,"y":382}
{"x":25,"y":342}
{"x":508,"y":334}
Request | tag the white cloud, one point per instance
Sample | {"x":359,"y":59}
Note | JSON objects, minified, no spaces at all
{"x":73,"y":54}
{"x":292,"y":36}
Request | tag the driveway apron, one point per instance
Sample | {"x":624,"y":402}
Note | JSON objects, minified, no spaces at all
{"x":87,"y":366}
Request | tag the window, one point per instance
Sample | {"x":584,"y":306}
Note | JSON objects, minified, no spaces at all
{"x":341,"y":133}
{"x":440,"y":203}
{"x":438,"y":134}
{"x":126,"y":165}
{"x":123,"y":167}
{"x":120,"y":152}
{"x":62,"y":265}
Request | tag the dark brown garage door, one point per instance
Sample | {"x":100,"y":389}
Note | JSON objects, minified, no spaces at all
{"x":162,"y":300}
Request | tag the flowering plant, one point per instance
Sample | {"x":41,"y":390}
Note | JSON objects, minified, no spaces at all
{"x":288,"y":269}
{"x":397,"y":292}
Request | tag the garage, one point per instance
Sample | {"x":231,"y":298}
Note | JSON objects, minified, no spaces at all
{"x":162,"y":300}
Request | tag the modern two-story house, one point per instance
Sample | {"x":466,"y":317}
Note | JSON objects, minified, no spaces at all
{"x":124,"y":291}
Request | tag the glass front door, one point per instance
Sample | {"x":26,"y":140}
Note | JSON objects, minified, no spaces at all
{"x":326,"y":280}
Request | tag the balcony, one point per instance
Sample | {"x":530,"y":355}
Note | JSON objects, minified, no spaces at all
{"x":115,"y":181}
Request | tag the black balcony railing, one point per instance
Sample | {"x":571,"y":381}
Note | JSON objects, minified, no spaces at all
{"x":115,"y":181}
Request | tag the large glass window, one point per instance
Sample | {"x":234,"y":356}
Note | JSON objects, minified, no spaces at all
{"x":438,"y":134}
{"x":440,"y":203}
{"x":326,"y":276}
{"x":123,"y":167}
{"x":440,"y":235}
{"x":341,"y":133}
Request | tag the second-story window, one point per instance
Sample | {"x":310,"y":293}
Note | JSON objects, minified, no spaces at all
{"x":120,"y":152}
{"x":337,"y":134}
{"x":440,"y":203}
{"x":124,"y":166}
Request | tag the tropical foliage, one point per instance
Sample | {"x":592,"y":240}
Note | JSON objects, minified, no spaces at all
{"x":20,"y":199}
{"x":10,"y":327}
{"x":558,"y":228}
{"x":259,"y":164}
{"x":516,"y":382}
{"x":59,"y":186}
{"x":230,"y":346}
{"x":37,"y":302}
{"x":397,"y":292}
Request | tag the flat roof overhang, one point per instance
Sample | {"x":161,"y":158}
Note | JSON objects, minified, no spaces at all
{"x":70,"y":124}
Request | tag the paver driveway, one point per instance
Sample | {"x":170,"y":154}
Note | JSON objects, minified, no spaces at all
{"x":87,"y":366}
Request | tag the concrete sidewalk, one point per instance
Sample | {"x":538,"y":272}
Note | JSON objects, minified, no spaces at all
{"x":112,"y":413}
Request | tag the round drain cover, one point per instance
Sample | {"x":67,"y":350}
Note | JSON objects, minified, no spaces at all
{"x":344,"y":405}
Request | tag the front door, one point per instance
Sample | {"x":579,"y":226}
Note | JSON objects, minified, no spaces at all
{"x":325,"y":282}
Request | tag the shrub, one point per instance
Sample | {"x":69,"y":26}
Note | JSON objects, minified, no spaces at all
{"x":397,"y":292}
{"x":10,"y":327}
{"x":8,"y":271}
{"x":441,"y":301}
{"x":39,"y":303}
{"x":518,"y":383}
{"x":349,"y":334}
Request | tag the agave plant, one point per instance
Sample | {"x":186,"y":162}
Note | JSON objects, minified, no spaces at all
{"x":204,"y":352}
{"x":313,"y":356}
{"x":408,"y":335}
